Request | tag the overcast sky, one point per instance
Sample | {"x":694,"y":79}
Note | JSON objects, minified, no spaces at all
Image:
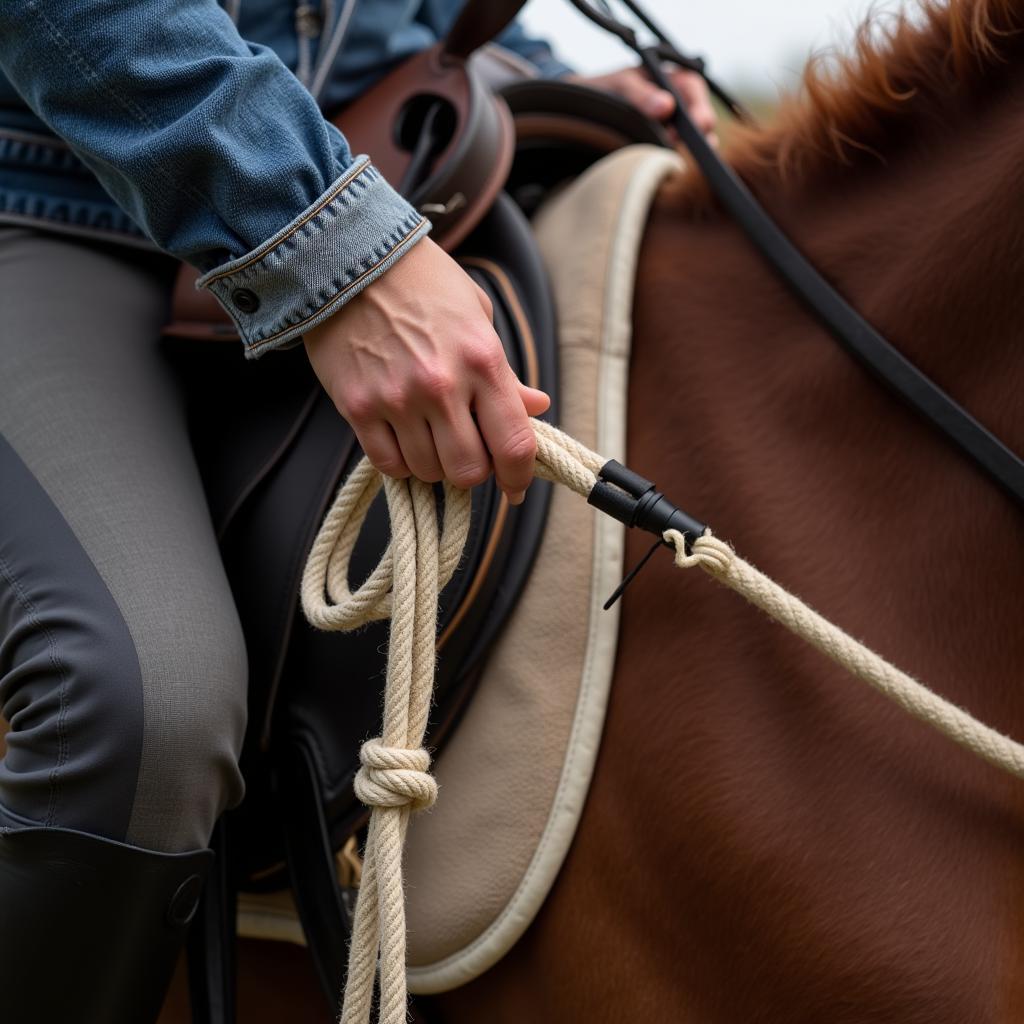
{"x":750,"y":44}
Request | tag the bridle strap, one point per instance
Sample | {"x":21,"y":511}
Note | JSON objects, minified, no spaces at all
{"x":600,"y":12}
{"x":845,"y":324}
{"x":478,"y":23}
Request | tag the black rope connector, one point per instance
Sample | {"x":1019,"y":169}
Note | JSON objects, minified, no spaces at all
{"x":629,"y":498}
{"x":633,"y":500}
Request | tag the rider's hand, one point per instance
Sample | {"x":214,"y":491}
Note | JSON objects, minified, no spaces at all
{"x":414,"y":364}
{"x":632,"y":84}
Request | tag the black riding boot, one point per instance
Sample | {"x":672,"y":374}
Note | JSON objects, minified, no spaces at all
{"x":90,"y":929}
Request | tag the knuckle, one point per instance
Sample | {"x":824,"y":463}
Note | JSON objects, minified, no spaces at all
{"x":470,"y":475}
{"x":357,"y":407}
{"x":437,"y":382}
{"x":486,"y":357}
{"x":395,"y":400}
{"x":485,"y":301}
{"x":520,"y":447}
{"x":390,"y":465}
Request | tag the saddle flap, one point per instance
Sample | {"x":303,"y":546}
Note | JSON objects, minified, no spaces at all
{"x":272,"y":451}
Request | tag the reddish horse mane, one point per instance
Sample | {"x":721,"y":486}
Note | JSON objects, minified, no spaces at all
{"x":851,"y":102}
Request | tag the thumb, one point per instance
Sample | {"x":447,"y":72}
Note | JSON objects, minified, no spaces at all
{"x":534,"y":400}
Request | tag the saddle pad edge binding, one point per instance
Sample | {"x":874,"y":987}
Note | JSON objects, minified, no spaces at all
{"x":628,"y":180}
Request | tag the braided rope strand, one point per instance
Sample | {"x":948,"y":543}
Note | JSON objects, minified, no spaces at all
{"x":720,"y":561}
{"x":395,"y":780}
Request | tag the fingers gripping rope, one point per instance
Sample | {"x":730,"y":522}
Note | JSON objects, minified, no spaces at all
{"x":394,"y":779}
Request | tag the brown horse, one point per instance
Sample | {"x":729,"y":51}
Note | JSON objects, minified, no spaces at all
{"x":766,"y":839}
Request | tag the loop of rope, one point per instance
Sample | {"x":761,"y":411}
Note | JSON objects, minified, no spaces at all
{"x":329,"y":559}
{"x":394,"y":779}
{"x":709,"y":552}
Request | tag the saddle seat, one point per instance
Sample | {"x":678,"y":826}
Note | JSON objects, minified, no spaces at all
{"x":272,"y":452}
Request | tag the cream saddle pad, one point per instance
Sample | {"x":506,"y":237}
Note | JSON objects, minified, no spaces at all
{"x":514,"y":777}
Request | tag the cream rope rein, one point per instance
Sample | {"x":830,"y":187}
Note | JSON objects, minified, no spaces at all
{"x":394,"y":779}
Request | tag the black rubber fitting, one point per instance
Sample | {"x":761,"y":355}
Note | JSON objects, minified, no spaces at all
{"x":622,"y":476}
{"x":633,"y":500}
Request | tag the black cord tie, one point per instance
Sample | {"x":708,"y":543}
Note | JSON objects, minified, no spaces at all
{"x":633,"y":573}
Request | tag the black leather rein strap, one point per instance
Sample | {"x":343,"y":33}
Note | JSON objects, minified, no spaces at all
{"x":478,"y":23}
{"x":846,"y":325}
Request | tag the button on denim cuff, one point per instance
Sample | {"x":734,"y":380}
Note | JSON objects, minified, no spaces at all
{"x":296,"y":279}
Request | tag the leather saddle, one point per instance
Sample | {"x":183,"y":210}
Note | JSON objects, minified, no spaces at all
{"x":272,"y":452}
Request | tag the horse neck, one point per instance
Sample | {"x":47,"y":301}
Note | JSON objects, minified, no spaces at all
{"x":774,"y":431}
{"x":926,"y":238}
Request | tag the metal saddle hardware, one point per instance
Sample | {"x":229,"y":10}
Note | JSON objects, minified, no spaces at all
{"x":457,"y":202}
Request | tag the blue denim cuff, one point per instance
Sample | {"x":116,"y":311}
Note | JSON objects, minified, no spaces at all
{"x":551,"y":67}
{"x":314,"y":265}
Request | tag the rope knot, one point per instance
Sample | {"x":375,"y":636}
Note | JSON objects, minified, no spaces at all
{"x":710,"y":553}
{"x":395,"y":777}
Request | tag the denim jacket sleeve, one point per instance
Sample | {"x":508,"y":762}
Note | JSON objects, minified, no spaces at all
{"x":216,"y":151}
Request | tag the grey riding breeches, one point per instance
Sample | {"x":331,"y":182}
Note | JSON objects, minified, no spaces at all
{"x":122,"y":662}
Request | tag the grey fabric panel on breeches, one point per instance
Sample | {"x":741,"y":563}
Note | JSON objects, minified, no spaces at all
{"x":89,"y":406}
{"x":69,"y":674}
